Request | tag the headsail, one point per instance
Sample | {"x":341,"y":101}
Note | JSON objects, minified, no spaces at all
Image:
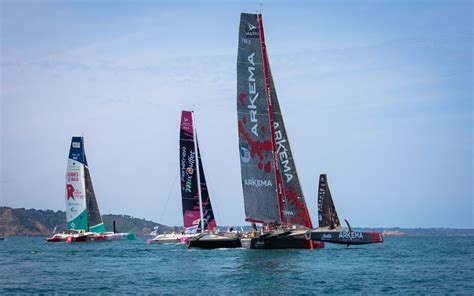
{"x":295,"y":210}
{"x":94,"y":219}
{"x":189,"y":181}
{"x":82,"y":211}
{"x":255,"y":139}
{"x":327,"y":214}
{"x":207,"y":212}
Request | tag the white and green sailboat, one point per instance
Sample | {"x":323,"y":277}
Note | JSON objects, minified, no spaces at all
{"x":84,"y":221}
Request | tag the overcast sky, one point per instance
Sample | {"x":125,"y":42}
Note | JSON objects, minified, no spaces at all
{"x":377,"y":94}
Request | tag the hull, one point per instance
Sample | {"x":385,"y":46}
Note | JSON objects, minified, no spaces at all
{"x":290,"y":239}
{"x":114,"y":236}
{"x":347,"y":238}
{"x":280,"y":243}
{"x":56,"y":239}
{"x":214,"y":241}
{"x":79,"y":238}
{"x":165,"y":239}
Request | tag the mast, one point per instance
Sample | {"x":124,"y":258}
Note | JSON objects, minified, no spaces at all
{"x":270,"y":113}
{"x":198,"y":172}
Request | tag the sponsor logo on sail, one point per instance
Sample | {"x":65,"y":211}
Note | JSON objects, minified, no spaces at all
{"x":257,"y":183}
{"x":282,"y":152}
{"x":187,"y":172}
{"x":253,"y":94}
{"x":251,"y":31}
{"x":76,"y":144}
{"x":70,"y":191}
{"x":186,"y":124}
{"x":244,"y":155}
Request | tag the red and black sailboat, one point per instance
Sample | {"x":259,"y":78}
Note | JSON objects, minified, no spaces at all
{"x":330,"y":229}
{"x":272,"y":193}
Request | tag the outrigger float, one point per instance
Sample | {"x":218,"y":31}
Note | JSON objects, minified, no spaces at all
{"x":84,"y":222}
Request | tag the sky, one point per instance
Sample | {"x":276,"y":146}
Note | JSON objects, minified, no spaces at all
{"x":376,"y":94}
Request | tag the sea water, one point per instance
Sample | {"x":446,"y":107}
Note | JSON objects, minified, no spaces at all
{"x":400,"y":265}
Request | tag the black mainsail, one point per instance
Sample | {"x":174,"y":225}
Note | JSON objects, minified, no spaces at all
{"x":327,"y":214}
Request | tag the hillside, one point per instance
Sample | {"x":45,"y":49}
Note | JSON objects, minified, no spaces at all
{"x":31,"y":222}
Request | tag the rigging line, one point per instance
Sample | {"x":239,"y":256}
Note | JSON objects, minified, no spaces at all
{"x":168,"y":198}
{"x":215,"y":207}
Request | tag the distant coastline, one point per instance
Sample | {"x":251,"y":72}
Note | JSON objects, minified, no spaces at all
{"x":32,"y":222}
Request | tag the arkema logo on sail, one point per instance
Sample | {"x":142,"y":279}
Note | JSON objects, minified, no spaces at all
{"x":257,"y":183}
{"x":253,"y":94}
{"x":282,"y":153}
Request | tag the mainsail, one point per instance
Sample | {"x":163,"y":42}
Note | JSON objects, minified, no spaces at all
{"x":327,"y":214}
{"x":82,"y":211}
{"x":255,"y":139}
{"x":272,"y":192}
{"x":190,"y":164}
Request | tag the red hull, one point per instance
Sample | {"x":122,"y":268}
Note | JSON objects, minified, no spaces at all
{"x":71,"y":239}
{"x":55,"y":240}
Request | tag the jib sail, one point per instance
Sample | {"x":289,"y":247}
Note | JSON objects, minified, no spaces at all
{"x":327,"y":214}
{"x":94,"y":219}
{"x":190,"y":164}
{"x":294,"y":209}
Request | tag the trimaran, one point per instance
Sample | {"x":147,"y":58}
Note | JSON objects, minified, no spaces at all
{"x":84,"y":222}
{"x":272,"y":193}
{"x":199,"y":221}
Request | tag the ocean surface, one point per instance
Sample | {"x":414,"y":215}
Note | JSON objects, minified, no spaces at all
{"x":400,"y":265}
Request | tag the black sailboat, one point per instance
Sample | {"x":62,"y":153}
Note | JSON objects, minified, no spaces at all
{"x":272,"y":193}
{"x":330,"y":229}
